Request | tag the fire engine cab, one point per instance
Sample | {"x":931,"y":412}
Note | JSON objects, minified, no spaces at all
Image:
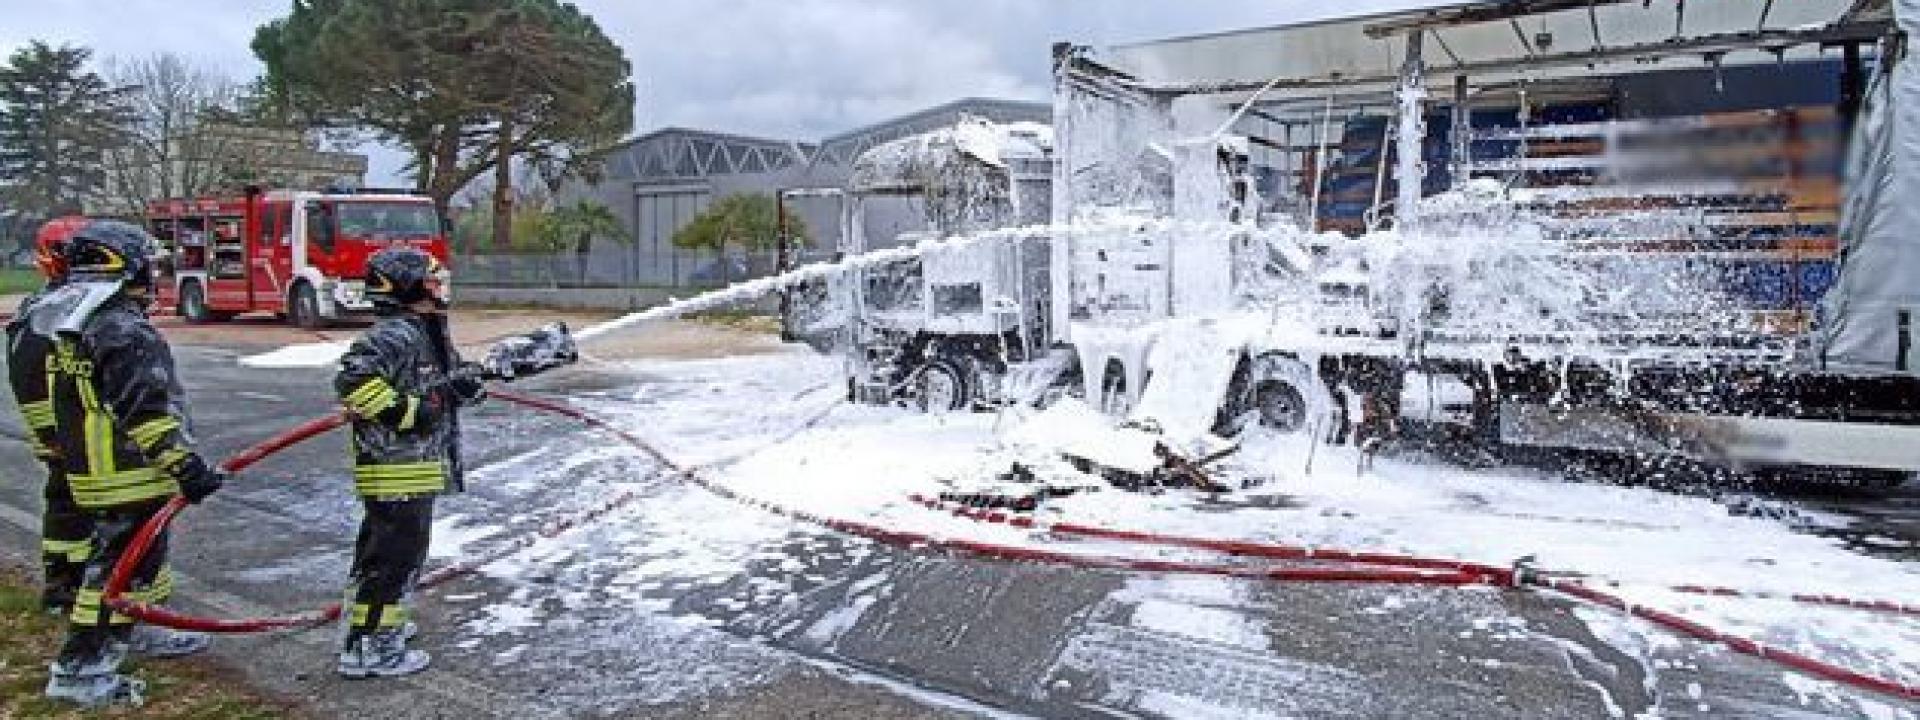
{"x":297,"y":254}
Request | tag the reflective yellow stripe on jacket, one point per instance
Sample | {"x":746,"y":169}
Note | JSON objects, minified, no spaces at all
{"x":98,"y":429}
{"x":372,"y":397}
{"x":412,"y":415}
{"x":421,"y":478}
{"x":38,"y":414}
{"x":150,"y":433}
{"x":122,"y":487}
{"x":104,"y":483}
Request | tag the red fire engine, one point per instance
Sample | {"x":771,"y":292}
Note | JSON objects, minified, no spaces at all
{"x":297,"y":254}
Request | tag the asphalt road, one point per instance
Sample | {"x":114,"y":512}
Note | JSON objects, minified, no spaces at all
{"x":868,"y":631}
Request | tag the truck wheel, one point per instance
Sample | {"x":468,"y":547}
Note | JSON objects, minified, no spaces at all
{"x":193,"y":303}
{"x":304,"y":308}
{"x":1280,"y":405}
{"x":943,"y":387}
{"x":1279,"y":393}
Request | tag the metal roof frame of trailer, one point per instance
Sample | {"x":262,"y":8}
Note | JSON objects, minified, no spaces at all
{"x":1308,"y":110}
{"x":1523,"y":44}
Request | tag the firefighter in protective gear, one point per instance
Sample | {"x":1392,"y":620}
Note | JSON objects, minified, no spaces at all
{"x":125,"y":443}
{"x":64,"y":527}
{"x":403,"y":384}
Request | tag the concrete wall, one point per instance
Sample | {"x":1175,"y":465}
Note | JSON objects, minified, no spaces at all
{"x":589,"y":298}
{"x":574,"y":298}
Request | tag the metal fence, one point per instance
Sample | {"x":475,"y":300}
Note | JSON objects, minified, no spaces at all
{"x":611,"y":269}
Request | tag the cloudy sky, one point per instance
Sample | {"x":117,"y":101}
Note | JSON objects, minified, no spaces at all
{"x":798,"y":69}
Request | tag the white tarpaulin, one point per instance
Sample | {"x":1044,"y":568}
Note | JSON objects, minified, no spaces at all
{"x":1868,"y":316}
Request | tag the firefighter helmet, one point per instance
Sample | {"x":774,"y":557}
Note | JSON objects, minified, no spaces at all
{"x":50,"y":245}
{"x":105,"y":250}
{"x":399,"y":277}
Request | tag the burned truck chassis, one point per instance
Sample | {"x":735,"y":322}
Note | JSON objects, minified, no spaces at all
{"x":936,"y":372}
{"x":1656,"y":410}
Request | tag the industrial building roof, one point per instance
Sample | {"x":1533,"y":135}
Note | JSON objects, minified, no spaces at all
{"x":677,"y":152}
{"x":1522,"y":39}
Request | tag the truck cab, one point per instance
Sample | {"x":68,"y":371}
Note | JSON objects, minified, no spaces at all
{"x":945,"y":328}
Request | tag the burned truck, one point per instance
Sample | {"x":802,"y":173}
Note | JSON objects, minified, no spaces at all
{"x":1617,"y":227}
{"x":1650,"y":228}
{"x":950,"y":327}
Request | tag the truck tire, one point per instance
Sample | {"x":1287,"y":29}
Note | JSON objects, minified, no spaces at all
{"x":193,"y":303}
{"x":943,"y":387}
{"x":303,"y":308}
{"x":1281,"y":406}
{"x":1278,"y":395}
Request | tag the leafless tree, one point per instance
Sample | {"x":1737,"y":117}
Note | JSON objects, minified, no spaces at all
{"x":174,"y":150}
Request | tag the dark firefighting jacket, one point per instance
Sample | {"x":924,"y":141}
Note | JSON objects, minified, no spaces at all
{"x":123,"y":433}
{"x":27,"y":354}
{"x":406,"y":427}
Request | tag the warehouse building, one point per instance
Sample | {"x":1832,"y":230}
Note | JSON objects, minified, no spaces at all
{"x":658,"y":182}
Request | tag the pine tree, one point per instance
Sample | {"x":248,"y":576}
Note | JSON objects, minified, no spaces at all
{"x":467,"y":86}
{"x":57,"y":121}
{"x":560,"y":94}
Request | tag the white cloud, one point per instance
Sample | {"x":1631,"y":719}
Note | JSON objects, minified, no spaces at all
{"x":212,"y":32}
{"x":800,"y":69}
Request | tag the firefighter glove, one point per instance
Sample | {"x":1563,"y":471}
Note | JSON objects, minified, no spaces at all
{"x":466,"y":385}
{"x":197,"y":480}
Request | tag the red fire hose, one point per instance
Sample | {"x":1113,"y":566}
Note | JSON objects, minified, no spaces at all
{"x":143,"y":542}
{"x":113,"y":593}
{"x":1498,"y":576}
{"x":1380,"y":568}
{"x":1292,"y":552}
{"x":1884,"y":606}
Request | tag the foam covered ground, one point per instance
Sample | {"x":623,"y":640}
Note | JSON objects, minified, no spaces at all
{"x":772,"y":428}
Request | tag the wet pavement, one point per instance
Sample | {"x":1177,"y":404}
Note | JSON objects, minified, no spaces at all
{"x":687,"y":605}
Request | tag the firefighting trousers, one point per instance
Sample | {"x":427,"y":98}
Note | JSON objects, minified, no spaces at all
{"x":91,"y":625}
{"x":66,"y":540}
{"x":386,"y":560}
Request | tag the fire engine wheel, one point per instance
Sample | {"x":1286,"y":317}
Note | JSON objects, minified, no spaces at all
{"x":193,"y":305}
{"x":943,"y":387}
{"x":304,"y":308}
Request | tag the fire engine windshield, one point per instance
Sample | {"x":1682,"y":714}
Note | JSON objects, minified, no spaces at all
{"x":387,"y":220}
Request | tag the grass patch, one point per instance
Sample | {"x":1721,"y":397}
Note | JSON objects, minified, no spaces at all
{"x":14,"y":280}
{"x":739,"y":319}
{"x":175,"y":689}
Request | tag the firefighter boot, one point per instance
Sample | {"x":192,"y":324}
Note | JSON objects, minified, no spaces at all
{"x":381,"y":653}
{"x":62,"y":582}
{"x":153,"y":641}
{"x":95,"y":682}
